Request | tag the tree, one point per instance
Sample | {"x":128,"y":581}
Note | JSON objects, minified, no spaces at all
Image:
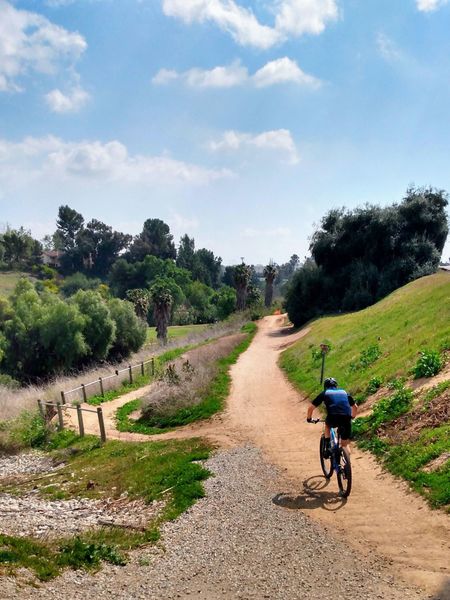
{"x":270,"y":272}
{"x":131,"y":332}
{"x":253,"y":296}
{"x":162,"y":303}
{"x":186,"y":253}
{"x":99,"y":329}
{"x":242,"y":275}
{"x":155,"y":239}
{"x":69,"y":223}
{"x":141,"y":302}
{"x":207,"y":268}
{"x":100,"y":246}
{"x":78,"y":281}
{"x":360,"y":255}
{"x":225,"y":301}
{"x":19,"y":249}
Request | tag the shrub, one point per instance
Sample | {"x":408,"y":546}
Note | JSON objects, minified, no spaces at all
{"x":8,"y":382}
{"x":76,"y":282}
{"x":428,"y":364}
{"x":29,"y":430}
{"x":367,"y":357}
{"x":99,"y":328}
{"x":374,"y":384}
{"x":131,"y":332}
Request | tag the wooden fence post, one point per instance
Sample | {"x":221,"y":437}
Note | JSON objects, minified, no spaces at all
{"x":80,"y":420}
{"x":83,"y":389}
{"x":101,"y":424}
{"x":41,"y":409}
{"x":130,"y":371}
{"x":60,"y":417}
{"x":142,"y":369}
{"x":102,"y":391}
{"x":63,"y":398}
{"x":153,"y":366}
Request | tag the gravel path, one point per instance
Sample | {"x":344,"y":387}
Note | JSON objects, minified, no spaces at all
{"x":235,"y":543}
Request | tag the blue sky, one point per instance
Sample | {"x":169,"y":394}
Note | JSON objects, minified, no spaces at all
{"x":240,"y":122}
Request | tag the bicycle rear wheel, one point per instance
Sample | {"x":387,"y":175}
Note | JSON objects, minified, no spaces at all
{"x":325,"y":463}
{"x":344,"y":473}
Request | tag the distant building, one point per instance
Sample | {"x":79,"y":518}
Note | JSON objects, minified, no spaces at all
{"x":52,"y":258}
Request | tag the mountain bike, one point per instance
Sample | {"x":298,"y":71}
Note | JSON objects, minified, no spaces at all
{"x":336,"y":459}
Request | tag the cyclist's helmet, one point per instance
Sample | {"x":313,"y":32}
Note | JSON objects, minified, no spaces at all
{"x":330,"y":382}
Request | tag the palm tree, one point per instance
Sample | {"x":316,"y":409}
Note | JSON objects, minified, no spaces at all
{"x":242,"y":275}
{"x":270,"y":272}
{"x":162,"y":303}
{"x":141,"y":300}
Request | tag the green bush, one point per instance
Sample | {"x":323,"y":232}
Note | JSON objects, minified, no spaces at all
{"x":367,"y":357}
{"x":428,"y":364}
{"x":384,"y":411}
{"x":29,"y":430}
{"x":80,"y":554}
{"x":9,"y":382}
{"x":374,"y":384}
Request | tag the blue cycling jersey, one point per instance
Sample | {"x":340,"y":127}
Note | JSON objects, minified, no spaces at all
{"x":337,"y":402}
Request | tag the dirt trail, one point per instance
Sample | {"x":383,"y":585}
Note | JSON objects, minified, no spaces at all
{"x":381,"y":515}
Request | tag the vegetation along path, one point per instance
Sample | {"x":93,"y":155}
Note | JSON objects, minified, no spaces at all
{"x":381,"y":518}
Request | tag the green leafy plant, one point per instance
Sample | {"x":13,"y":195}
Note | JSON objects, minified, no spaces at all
{"x":384,"y":411}
{"x":428,"y":364}
{"x":374,"y":384}
{"x":367,"y":357}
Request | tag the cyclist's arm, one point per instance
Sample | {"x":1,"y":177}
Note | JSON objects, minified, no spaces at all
{"x":314,"y":404}
{"x":354,"y":407}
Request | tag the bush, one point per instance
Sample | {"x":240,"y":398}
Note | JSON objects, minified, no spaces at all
{"x":428,"y":364}
{"x":99,"y":328}
{"x":76,"y":282}
{"x":8,"y":382}
{"x":374,"y":384}
{"x":367,"y":357}
{"x":131,"y":332}
{"x":29,"y":430}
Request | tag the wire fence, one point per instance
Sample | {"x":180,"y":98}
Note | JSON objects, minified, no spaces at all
{"x":100,"y":386}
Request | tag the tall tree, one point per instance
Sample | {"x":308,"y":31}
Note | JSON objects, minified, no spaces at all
{"x":141,"y":302}
{"x":242,"y":276}
{"x":69,"y":223}
{"x":162,"y":304}
{"x":155,"y":239}
{"x":186,"y":253}
{"x":270,"y":272}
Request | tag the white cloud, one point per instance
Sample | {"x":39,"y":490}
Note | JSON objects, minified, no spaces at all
{"x":292,"y":18}
{"x":240,"y":22}
{"x":251,"y":232}
{"x":430,"y":5}
{"x":53,"y":157}
{"x":282,"y":70}
{"x":30,"y":42}
{"x":297,"y":17}
{"x":279,"y":140}
{"x":388,"y":48}
{"x":218,"y":77}
{"x":66,"y":103}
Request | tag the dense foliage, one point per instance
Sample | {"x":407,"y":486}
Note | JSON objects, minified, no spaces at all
{"x":361,"y":255}
{"x":42,"y":335}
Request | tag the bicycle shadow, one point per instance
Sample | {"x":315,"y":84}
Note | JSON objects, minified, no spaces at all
{"x":314,"y":496}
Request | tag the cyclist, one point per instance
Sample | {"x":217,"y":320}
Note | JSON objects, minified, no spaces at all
{"x":341,"y":409}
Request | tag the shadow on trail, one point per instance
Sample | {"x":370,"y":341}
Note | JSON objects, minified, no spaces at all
{"x":283,"y":332}
{"x":443,"y":594}
{"x":314,"y":496}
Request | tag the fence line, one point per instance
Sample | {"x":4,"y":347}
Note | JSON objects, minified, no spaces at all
{"x":109,"y":382}
{"x":58,"y":407}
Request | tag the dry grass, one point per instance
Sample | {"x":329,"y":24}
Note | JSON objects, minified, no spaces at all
{"x":13,"y":402}
{"x":183,"y":382}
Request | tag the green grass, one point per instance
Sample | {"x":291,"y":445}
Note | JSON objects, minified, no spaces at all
{"x":212,"y":401}
{"x":152,"y":471}
{"x":9,"y":280}
{"x":140,"y":380}
{"x":176,"y":332}
{"x":414,"y":317}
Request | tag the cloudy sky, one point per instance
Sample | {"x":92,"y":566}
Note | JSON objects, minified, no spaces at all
{"x":238,"y":121}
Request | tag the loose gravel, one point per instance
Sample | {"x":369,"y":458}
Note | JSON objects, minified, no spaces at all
{"x":26,"y":463}
{"x":238,"y":542}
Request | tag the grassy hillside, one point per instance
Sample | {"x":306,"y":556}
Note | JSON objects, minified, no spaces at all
{"x":380,"y":342}
{"x":373,"y":352}
{"x":8,"y":281}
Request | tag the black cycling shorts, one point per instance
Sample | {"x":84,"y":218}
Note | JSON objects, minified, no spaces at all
{"x":343,"y":423}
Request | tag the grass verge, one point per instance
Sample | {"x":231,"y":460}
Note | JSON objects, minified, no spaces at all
{"x":152,"y":471}
{"x":212,"y":400}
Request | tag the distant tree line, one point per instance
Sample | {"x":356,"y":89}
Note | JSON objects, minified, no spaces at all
{"x":359,"y":256}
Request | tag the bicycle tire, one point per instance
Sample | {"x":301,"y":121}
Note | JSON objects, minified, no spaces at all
{"x":325,"y":463}
{"x":344,"y":473}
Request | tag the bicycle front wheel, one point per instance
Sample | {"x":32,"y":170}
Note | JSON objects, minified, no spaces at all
{"x":344,"y":473}
{"x":325,"y":462}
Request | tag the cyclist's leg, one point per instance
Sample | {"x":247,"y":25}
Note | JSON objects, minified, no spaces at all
{"x":345,"y":431}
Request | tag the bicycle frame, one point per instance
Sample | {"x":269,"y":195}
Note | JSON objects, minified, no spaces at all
{"x":334,"y":446}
